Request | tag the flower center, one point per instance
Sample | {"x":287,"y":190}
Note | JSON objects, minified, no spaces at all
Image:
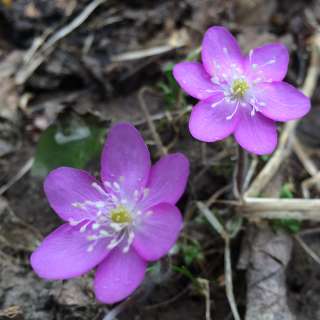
{"x":239,"y":88}
{"x":120,"y":215}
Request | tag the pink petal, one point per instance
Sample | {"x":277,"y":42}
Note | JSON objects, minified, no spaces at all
{"x":64,"y":254}
{"x":158,"y":231}
{"x":125,"y":158}
{"x":267,"y":63}
{"x":220,"y":52}
{"x":119,"y":275}
{"x":167,"y":181}
{"x":283,"y":102}
{"x":64,"y":187}
{"x":208,"y":121}
{"x":194,"y":80}
{"x":256,"y":134}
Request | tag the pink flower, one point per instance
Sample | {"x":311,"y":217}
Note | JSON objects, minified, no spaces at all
{"x":118,"y":224}
{"x":240,"y":95}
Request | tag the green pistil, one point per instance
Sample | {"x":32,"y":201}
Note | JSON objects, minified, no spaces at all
{"x":120,"y":215}
{"x":239,"y":88}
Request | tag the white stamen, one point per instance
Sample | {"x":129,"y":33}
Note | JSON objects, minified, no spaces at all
{"x":95,"y":226}
{"x":116,"y":186}
{"x":217,"y":103}
{"x":234,"y":112}
{"x":116,"y":226}
{"x":90,"y":248}
{"x":107,"y":184}
{"x":84,"y":227}
{"x":99,"y":189}
{"x":130,"y":240}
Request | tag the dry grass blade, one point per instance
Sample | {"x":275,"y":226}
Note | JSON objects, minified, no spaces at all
{"x":17,"y":177}
{"x":152,"y":127}
{"x":205,"y":287}
{"x":43,"y":49}
{"x":307,"y":249}
{"x":229,"y":282}
{"x":274,"y":208}
{"x":227,"y":256}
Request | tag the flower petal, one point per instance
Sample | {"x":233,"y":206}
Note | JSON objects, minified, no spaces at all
{"x":64,"y":254}
{"x":158,"y":231}
{"x":267,"y":63}
{"x":64,"y":187}
{"x":282,"y":102}
{"x":220,"y":52}
{"x":209,"y":120}
{"x":167,"y":181}
{"x":119,"y":275}
{"x":125,"y":158}
{"x":256,"y":134}
{"x":194,"y":80}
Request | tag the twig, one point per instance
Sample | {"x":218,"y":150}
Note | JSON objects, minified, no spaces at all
{"x":113,"y":313}
{"x":150,"y":122}
{"x":308,"y":183}
{"x":177,"y":40}
{"x":309,"y":166}
{"x":301,"y":153}
{"x":169,"y":301}
{"x":140,"y":54}
{"x":17,"y":177}
{"x":217,"y":194}
{"x":44,"y":49}
{"x":307,"y":249}
{"x":250,"y":173}
{"x":240,"y":173}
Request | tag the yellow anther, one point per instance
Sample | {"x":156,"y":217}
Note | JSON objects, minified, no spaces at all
{"x":120,"y":215}
{"x":239,"y":88}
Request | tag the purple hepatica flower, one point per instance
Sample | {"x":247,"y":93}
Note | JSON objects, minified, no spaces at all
{"x":243,"y":95}
{"x":119,"y":224}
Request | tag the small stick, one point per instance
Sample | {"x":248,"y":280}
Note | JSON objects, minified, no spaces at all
{"x":47,"y":47}
{"x":150,"y":122}
{"x":308,"y":183}
{"x":307,"y":249}
{"x":309,"y":166}
{"x":27,"y":166}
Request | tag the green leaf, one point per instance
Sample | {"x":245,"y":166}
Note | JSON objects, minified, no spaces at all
{"x":184,"y":271}
{"x":286,"y":191}
{"x":170,"y":87}
{"x":192,"y":252}
{"x":290,"y":225}
{"x":73,"y":141}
